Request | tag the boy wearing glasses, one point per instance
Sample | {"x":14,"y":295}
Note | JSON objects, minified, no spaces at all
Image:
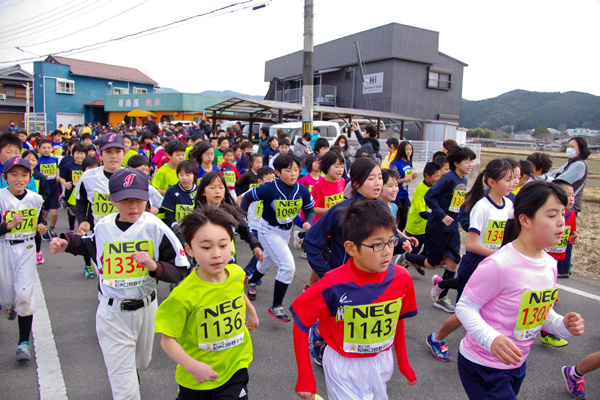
{"x":361,"y":308}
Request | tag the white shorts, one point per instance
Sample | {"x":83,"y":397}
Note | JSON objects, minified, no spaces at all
{"x":126,"y":339}
{"x":17,"y":274}
{"x":357,"y":378}
{"x":276,"y":252}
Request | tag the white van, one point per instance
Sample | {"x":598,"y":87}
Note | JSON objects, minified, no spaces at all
{"x":329,"y":130}
{"x":361,"y":123}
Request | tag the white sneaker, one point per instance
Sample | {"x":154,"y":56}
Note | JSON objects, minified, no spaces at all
{"x":297,"y":241}
{"x":444,"y":304}
{"x":435,"y":289}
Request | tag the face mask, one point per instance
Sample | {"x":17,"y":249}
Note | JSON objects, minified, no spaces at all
{"x":571,"y":153}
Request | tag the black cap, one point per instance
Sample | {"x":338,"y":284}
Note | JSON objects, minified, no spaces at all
{"x":128,"y":183}
{"x":111,"y":139}
{"x":17,"y":161}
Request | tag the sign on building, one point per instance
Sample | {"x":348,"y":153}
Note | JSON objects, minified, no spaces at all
{"x":373,"y":83}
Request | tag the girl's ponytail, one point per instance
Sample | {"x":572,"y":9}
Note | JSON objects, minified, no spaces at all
{"x":496,"y":169}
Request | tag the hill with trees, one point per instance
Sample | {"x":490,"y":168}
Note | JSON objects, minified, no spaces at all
{"x":525,"y":110}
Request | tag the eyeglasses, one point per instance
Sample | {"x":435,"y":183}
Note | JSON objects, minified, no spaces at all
{"x":380,"y":246}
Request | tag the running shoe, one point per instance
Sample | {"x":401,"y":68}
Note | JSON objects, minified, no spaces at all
{"x":439,"y":349}
{"x":316,"y":344}
{"x":553,"y":340}
{"x":575,"y":386}
{"x":297,"y":241}
{"x":444,"y":304}
{"x":88,"y":272}
{"x":304,"y":254}
{"x":9,"y":312}
{"x":435,"y":289}
{"x":23,"y":352}
{"x":250,"y":289}
{"x":39,"y":258}
{"x":419,"y":269}
{"x":47,"y":236}
{"x":53,"y":234}
{"x":278,"y":314}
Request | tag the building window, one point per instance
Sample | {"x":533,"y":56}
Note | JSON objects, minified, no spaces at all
{"x":10,"y":91}
{"x":139,"y":90}
{"x":349,"y":75}
{"x":439,"y":79}
{"x":118,"y":90}
{"x":65,"y":86}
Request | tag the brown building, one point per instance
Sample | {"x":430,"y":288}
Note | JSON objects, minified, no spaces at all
{"x":13,"y":96}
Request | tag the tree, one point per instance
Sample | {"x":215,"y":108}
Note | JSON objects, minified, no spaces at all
{"x":540,"y":131}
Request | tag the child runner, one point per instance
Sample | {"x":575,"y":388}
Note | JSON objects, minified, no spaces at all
{"x":70,"y":174}
{"x":92,"y":192}
{"x":442,"y":238}
{"x":22,"y":217}
{"x":143,"y":164}
{"x":509,"y":297}
{"x":310,"y":180}
{"x":559,"y":251}
{"x":179,"y":199}
{"x":133,"y":250}
{"x":166,"y":176}
{"x":361,"y":307}
{"x":249,"y":179}
{"x":403,"y":164}
{"x":222,"y":144}
{"x":416,"y":220}
{"x":282,"y":201}
{"x":282,"y":148}
{"x":212,"y":191}
{"x":488,"y":216}
{"x":229,"y":171}
{"x":204,"y":154}
{"x":271,"y":150}
{"x":48,"y":166}
{"x":245,"y":160}
{"x":329,"y":191}
{"x":574,"y":375}
{"x":203,"y":322}
{"x":41,"y":185}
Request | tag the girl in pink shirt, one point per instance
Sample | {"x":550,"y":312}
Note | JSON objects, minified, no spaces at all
{"x":508,"y":300}
{"x":311,"y":179}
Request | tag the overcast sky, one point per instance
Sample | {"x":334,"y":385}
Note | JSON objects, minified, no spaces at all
{"x":546,"y":46}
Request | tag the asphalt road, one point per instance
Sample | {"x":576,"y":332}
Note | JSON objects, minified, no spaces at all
{"x":71,"y":301}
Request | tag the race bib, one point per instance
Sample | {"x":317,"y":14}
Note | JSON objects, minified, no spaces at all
{"x":48,"y":169}
{"x":221,"y":326}
{"x":220,"y":160}
{"x":534,"y":308}
{"x":494,"y":233}
{"x":57,"y":151}
{"x":562,"y":246}
{"x":181,"y":210}
{"x":103,"y":205}
{"x":331,"y":201}
{"x":26,"y":228}
{"x":286,"y":210}
{"x":119,"y":269}
{"x":370,"y":328}
{"x":229,"y":178}
{"x":458,"y":198}
{"x":259,"y":208}
{"x":253,"y":185}
{"x":75,"y":176}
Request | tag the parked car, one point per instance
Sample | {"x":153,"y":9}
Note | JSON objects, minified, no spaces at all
{"x":329,"y":130}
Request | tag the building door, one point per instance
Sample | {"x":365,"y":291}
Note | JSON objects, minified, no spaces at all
{"x":66,"y":119}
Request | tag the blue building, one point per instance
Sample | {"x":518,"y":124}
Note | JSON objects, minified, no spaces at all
{"x":72,"y":91}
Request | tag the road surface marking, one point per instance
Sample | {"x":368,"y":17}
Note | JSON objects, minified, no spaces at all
{"x":579,"y":292}
{"x":50,"y":376}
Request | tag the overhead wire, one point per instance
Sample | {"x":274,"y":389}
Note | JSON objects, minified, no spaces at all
{"x":10,"y":5}
{"x":32,"y":19}
{"x":140,"y":32}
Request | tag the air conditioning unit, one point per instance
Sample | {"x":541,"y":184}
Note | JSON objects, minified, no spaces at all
{"x":2,"y":97}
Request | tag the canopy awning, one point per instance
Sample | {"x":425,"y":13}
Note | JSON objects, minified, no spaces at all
{"x":140,"y":113}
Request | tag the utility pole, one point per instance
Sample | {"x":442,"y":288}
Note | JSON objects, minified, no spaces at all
{"x":308,"y":69}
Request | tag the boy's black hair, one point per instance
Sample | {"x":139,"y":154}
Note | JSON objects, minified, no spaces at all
{"x":174,"y":146}
{"x":561,"y":182}
{"x":431,"y":168}
{"x":86,"y":136}
{"x":271,"y":139}
{"x":221,"y":139}
{"x":262,"y":171}
{"x":458,"y":154}
{"x":89,"y":162}
{"x":285,"y":161}
{"x":319,"y":144}
{"x":137,"y":161}
{"x":526,"y":167}
{"x":441,"y":160}
{"x":127,"y":137}
{"x":40,"y":142}
{"x":206,"y":215}
{"x":254,"y":157}
{"x":284,"y":142}
{"x":438,"y":154}
{"x":189,"y":167}
{"x":228,"y":150}
{"x":330,"y":158}
{"x":362,"y":218}
{"x":91,"y":147}
{"x":56,"y":132}
{"x":371,"y":130}
{"x":213,"y":138}
{"x":81,"y":148}
{"x":135,"y":140}
{"x":195,"y":137}
{"x":541,"y":161}
{"x":387,"y":173}
{"x":235,"y":147}
{"x":74,"y":141}
{"x":7,"y":139}
{"x":165,"y":139}
{"x":30,"y":152}
{"x":246,"y":145}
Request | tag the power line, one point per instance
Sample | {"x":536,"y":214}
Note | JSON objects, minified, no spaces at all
{"x":32,"y":19}
{"x":89,"y":27}
{"x":10,"y":5}
{"x":137,"y":33}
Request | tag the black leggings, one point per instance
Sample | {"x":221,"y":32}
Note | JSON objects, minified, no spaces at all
{"x":402,"y":214}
